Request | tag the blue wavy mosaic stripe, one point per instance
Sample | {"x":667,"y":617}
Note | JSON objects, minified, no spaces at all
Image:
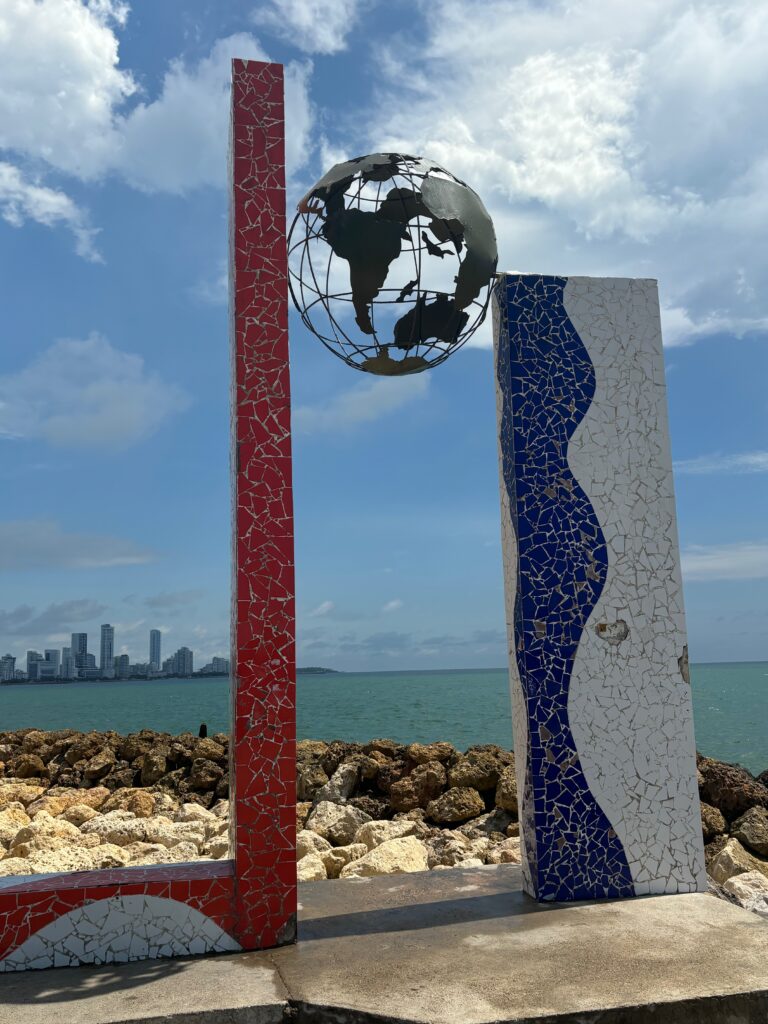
{"x":547,"y":382}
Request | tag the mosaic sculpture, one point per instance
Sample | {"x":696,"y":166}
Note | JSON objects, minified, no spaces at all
{"x":598,"y":658}
{"x":248,"y":902}
{"x":391,"y":260}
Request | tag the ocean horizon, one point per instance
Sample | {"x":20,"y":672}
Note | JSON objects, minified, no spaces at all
{"x":464,"y":706}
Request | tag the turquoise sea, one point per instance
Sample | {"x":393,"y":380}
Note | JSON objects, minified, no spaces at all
{"x":464,"y":706}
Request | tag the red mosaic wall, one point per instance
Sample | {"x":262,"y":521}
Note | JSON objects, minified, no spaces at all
{"x":252,"y":898}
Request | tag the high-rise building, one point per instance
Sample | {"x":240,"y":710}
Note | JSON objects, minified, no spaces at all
{"x":32,"y":659}
{"x":185,"y":661}
{"x":154,"y":649}
{"x":53,"y":657}
{"x":80,"y":651}
{"x":7,"y":668}
{"x":122,"y":666}
{"x":107,"y":659}
{"x":68,"y":669}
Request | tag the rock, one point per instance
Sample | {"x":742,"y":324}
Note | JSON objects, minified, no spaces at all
{"x":337,"y":823}
{"x":447,"y":849}
{"x":495,"y":821}
{"x":421,"y":753}
{"x":28,"y":766}
{"x":204,"y":774}
{"x":513,"y":829}
{"x":425,"y":783}
{"x":18,"y":792}
{"x":209,"y":750}
{"x":121,"y":776}
{"x":217,"y":848}
{"x":751,"y":829}
{"x":476,"y":770}
{"x":122,"y":829}
{"x":310,"y":777}
{"x":374,"y":833}
{"x":389,"y":748}
{"x":137,"y":801}
{"x":730,"y":788}
{"x":13,"y":818}
{"x":182,"y":853}
{"x":166,"y":804}
{"x":337,"y":858}
{"x":712,"y":822}
{"x":45,"y":826}
{"x":66,"y":858}
{"x":393,"y":857}
{"x":220,"y":809}
{"x":94,"y":797}
{"x":750,"y":890}
{"x":194,"y":812}
{"x":391,"y":772}
{"x":457,"y":804}
{"x":506,"y":790}
{"x":470,"y":862}
{"x":504,"y":757}
{"x":732,"y":860}
{"x":310,"y":842}
{"x":303,"y":810}
{"x":100,"y":764}
{"x":311,"y":750}
{"x":107,"y":855}
{"x":78,"y":814}
{"x":154,"y":765}
{"x":311,"y":869}
{"x":341,"y":785}
{"x":507,"y":852}
{"x":374,"y":807}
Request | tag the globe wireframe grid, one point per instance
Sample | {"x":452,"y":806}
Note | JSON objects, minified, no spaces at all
{"x":327,"y":310}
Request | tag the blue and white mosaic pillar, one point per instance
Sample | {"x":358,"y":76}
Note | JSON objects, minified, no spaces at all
{"x":598,"y":658}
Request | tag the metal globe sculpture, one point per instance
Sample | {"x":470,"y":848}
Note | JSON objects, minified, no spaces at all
{"x":391,"y":259}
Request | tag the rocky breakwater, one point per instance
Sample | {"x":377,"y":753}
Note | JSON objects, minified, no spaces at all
{"x":73,"y":801}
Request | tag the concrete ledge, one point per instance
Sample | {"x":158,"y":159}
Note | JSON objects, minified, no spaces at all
{"x":443,"y":947}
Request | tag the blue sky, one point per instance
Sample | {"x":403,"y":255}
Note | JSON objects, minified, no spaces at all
{"x":605,"y":137}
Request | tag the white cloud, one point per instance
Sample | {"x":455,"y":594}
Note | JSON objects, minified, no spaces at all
{"x":179,"y":141}
{"x":22,"y":200}
{"x":42,"y":544}
{"x":606,"y":139}
{"x":747,"y":462}
{"x":392,"y":606}
{"x":743,"y":561}
{"x":364,"y":403}
{"x":324,"y":608}
{"x":86,"y":393}
{"x":316,"y":26}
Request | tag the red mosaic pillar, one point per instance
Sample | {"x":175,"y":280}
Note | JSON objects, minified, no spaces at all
{"x":263,"y":748}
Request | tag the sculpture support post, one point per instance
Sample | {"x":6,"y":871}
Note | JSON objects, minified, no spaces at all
{"x":263,"y":749}
{"x":598,"y":658}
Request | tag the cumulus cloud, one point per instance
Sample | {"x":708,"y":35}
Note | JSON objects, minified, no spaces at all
{"x":43,"y":544}
{"x":742,"y":561}
{"x":747,"y":462}
{"x":617,"y":139}
{"x":22,"y":199}
{"x":315,"y":26}
{"x":86,"y":393}
{"x":363,"y":403}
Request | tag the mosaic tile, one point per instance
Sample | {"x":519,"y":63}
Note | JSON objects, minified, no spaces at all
{"x":602,"y":717}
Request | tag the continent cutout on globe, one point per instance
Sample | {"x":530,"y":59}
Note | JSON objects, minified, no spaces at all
{"x":451,"y":221}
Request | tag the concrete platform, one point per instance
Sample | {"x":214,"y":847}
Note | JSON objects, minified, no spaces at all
{"x":443,"y":947}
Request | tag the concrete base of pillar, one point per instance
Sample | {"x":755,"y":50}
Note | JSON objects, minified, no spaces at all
{"x":444,"y":947}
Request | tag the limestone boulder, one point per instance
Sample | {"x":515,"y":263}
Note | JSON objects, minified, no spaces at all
{"x":337,"y":858}
{"x":310,"y":750}
{"x":18,"y":793}
{"x":751,"y":829}
{"x":341,"y":785}
{"x":45,"y":827}
{"x":195,"y":812}
{"x":497,"y":821}
{"x":310,"y":842}
{"x":396,"y":856}
{"x":303,"y":811}
{"x":424,"y":784}
{"x":28,"y":766}
{"x":182,"y":853}
{"x":374,"y":807}
{"x":477,"y":769}
{"x":712,"y":822}
{"x":78,"y":814}
{"x":506,"y":790}
{"x":311,"y":868}
{"x":506,"y":852}
{"x":337,"y":823}
{"x":12,"y":819}
{"x":217,"y":848}
{"x":458,"y":804}
{"x":204,"y":774}
{"x":102,"y":762}
{"x":447,"y":849}
{"x":421,"y":753}
{"x":209,"y":750}
{"x":750,"y":890}
{"x":137,"y":801}
{"x":732,"y":860}
{"x":387,"y":747}
{"x":154,"y":765}
{"x":391,"y":772}
{"x":730,"y":788}
{"x":374,"y":833}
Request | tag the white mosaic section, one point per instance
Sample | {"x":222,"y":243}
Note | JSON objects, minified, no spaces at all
{"x":510,"y":568}
{"x":118,"y":930}
{"x":630,"y":701}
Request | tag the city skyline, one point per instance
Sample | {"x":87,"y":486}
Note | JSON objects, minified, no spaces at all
{"x":77,"y":662}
